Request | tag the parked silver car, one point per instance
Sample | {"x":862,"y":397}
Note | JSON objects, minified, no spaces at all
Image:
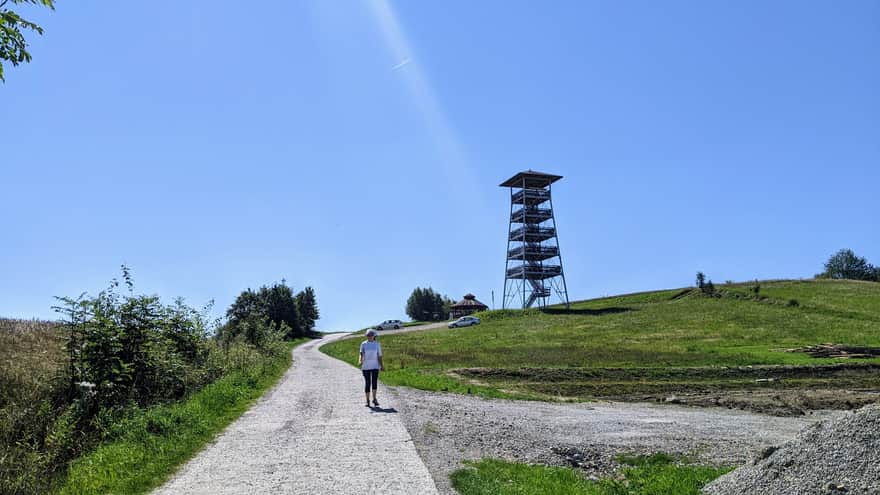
{"x":389,"y":324}
{"x":464,"y":321}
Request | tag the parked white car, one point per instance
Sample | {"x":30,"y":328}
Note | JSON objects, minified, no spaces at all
{"x":464,"y":321}
{"x":389,"y":324}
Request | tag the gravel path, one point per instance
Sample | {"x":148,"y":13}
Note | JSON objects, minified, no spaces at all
{"x":415,"y":328}
{"x":449,"y":428}
{"x":311,"y":434}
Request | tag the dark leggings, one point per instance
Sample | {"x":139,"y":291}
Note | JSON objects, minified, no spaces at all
{"x":371,"y":379}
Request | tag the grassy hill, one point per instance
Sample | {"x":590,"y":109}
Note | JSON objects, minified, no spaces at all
{"x":651,"y":343}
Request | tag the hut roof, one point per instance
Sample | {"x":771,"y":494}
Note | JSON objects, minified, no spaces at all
{"x":469,"y":302}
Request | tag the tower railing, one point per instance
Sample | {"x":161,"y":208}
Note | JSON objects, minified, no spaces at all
{"x":532,"y":233}
{"x":532,"y":252}
{"x":534,"y":271}
{"x":530,"y":197}
{"x":531,"y":214}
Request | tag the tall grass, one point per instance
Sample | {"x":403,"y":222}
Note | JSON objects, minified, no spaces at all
{"x":31,"y":352}
{"x":31,"y":358}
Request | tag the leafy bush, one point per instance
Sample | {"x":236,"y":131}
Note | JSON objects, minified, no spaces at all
{"x":131,"y":348}
{"x":253,"y":330}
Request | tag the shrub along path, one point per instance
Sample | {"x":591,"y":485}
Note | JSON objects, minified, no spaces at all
{"x":311,"y":434}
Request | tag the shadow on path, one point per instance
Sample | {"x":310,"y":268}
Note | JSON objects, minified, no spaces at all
{"x":381,"y":410}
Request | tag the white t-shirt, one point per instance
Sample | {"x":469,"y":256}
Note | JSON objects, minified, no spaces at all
{"x":371,"y":351}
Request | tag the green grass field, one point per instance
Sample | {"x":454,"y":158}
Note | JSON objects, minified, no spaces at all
{"x":530,"y":354}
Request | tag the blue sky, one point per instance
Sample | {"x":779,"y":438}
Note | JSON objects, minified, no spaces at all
{"x":357,"y":146}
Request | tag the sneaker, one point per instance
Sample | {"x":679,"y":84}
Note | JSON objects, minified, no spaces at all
{"x":367,"y":404}
{"x":375,"y":402}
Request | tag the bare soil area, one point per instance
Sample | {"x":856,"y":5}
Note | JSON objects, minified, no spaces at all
{"x":774,"y":390}
{"x":773,"y":402}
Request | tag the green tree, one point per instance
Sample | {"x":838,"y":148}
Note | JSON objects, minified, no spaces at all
{"x":426,"y":305}
{"x":280,"y":307}
{"x":277,"y":306}
{"x":307,"y":306}
{"x":844,"y":264}
{"x":13,"y":46}
{"x":706,"y":287}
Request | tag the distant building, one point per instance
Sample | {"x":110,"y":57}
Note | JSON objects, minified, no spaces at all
{"x":466,"y":306}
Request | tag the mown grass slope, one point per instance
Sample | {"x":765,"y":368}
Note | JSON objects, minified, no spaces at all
{"x":659,"y":330}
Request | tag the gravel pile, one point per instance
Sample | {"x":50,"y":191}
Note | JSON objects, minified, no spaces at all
{"x":838,"y":456}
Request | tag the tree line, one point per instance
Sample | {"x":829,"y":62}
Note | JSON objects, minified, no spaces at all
{"x":258,"y":314}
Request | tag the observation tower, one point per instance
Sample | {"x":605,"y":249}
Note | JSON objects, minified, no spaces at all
{"x":533,"y":268}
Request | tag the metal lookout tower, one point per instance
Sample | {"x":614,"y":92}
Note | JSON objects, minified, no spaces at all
{"x":533,"y":269}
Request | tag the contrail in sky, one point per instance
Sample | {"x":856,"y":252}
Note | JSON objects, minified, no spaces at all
{"x":455,"y":165}
{"x":401,"y":64}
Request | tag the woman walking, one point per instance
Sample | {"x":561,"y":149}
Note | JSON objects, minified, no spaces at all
{"x":370,"y":360}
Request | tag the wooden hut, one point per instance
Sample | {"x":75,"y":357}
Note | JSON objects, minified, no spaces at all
{"x":466,"y":306}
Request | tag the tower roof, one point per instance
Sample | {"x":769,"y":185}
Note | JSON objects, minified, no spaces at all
{"x":532,"y":179}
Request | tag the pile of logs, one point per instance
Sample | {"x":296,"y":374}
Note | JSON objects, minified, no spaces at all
{"x":838,"y":351}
